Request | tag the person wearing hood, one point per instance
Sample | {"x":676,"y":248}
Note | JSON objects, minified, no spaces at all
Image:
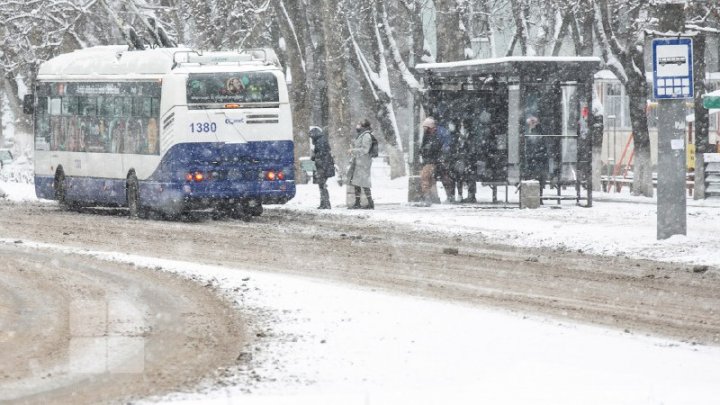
{"x":324,"y":164}
{"x":431,"y":157}
{"x":361,"y":161}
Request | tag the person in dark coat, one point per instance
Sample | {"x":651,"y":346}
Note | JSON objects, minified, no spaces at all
{"x":444,"y":166}
{"x":536,"y":153}
{"x":324,"y":164}
{"x":431,"y":155}
{"x":466,"y":160}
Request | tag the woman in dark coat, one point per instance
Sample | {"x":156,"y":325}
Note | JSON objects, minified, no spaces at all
{"x":324,"y":164}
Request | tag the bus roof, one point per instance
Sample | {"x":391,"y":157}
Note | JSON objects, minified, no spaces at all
{"x":118,"y":60}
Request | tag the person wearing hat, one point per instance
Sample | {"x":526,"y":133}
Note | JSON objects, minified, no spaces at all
{"x":431,"y":155}
{"x":536,"y":153}
{"x":324,"y":164}
{"x":361,"y":162}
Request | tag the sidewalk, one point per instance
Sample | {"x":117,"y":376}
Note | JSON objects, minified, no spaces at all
{"x":618,"y":224}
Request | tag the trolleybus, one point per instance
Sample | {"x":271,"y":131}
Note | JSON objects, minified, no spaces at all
{"x":165,"y":129}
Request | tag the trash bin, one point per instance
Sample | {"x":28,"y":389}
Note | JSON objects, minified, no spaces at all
{"x":530,"y":194}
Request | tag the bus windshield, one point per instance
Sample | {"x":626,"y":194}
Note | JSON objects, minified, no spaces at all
{"x":232,"y":87}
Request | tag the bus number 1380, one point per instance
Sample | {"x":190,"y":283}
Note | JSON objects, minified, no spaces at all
{"x":203,"y":127}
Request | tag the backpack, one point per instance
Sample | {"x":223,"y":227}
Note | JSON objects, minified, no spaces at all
{"x":445,"y":139}
{"x":373,"y":146}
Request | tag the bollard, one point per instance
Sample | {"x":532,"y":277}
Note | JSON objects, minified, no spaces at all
{"x":530,"y":194}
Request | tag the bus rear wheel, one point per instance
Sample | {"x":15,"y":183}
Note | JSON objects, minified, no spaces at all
{"x":132,"y":188}
{"x":253,"y":208}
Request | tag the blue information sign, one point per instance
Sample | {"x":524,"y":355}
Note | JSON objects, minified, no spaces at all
{"x":672,"y":68}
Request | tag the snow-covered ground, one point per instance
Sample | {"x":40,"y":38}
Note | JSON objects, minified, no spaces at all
{"x":338,"y":344}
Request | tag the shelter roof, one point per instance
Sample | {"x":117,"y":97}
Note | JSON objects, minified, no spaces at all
{"x":574,"y":67}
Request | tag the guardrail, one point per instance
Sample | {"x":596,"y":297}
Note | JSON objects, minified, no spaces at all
{"x":618,"y":182}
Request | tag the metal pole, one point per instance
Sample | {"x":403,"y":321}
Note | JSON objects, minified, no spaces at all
{"x":614,"y":142}
{"x":611,"y":162}
{"x":671,"y":205}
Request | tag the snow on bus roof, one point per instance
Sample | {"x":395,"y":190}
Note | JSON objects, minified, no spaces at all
{"x":110,"y":60}
{"x":118,"y":60}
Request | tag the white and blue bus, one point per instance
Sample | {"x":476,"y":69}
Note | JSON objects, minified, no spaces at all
{"x":165,"y":129}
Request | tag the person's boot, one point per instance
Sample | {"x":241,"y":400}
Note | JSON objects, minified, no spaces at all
{"x":370,"y":204}
{"x":356,"y":206}
{"x":470,"y":199}
{"x":324,"y":200}
{"x":426,"y":202}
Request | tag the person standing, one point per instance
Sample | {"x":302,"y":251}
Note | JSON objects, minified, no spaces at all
{"x":361,"y":162}
{"x":444,"y":164}
{"x":324,"y":164}
{"x":431,"y":155}
{"x":536,"y":153}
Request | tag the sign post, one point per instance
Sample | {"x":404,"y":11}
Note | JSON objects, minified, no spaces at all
{"x":672,"y":84}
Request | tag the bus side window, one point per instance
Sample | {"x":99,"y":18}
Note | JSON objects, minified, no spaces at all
{"x":54,"y":106}
{"x":88,"y":106}
{"x":146,"y":107}
{"x":54,"y":110}
{"x":42,"y":124}
{"x":107,"y":106}
{"x":155,"y":110}
{"x":141,"y":107}
{"x":69,"y":105}
{"x":127,"y":107}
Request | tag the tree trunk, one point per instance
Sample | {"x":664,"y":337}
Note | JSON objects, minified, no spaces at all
{"x":291,"y":24}
{"x":2,"y":109}
{"x":642,"y":169}
{"x":382,"y":100}
{"x":566,"y":20}
{"x":450,"y":39}
{"x":702,"y":116}
{"x":339,"y":125}
{"x":583,"y":42}
{"x":520,"y":27}
{"x":22,"y":122}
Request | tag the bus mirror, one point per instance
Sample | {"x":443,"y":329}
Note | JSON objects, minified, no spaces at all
{"x":29,"y":103}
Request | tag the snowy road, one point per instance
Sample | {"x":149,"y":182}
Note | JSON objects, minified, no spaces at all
{"x":635,"y":296}
{"x":74,"y":329}
{"x":663,"y":299}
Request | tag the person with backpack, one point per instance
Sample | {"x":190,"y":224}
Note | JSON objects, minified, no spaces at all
{"x":431,"y":157}
{"x":360,"y":164}
{"x":324,"y":164}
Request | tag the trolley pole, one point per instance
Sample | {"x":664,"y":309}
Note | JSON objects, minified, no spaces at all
{"x":672,"y":84}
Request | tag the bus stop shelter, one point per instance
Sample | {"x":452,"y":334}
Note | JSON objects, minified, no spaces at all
{"x":529,"y":118}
